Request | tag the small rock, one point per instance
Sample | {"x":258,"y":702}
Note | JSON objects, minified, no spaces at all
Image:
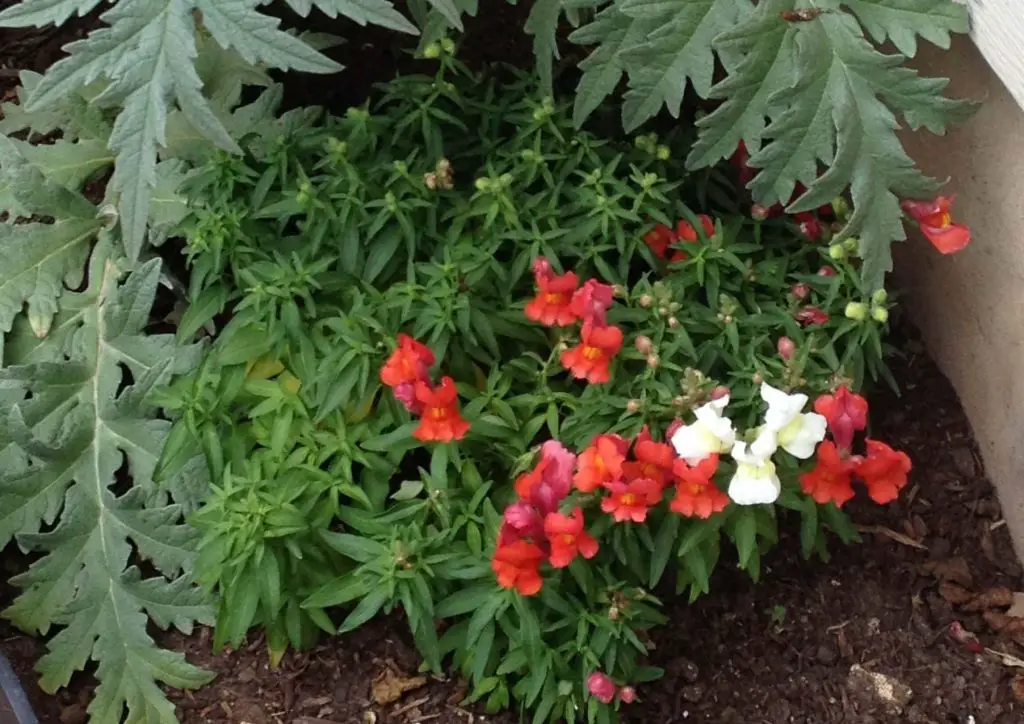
{"x":693,"y":693}
{"x":891,"y":693}
{"x":963,"y":461}
{"x":826,"y":655}
{"x":989,"y":508}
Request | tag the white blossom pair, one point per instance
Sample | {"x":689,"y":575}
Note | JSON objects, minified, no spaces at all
{"x":786,"y":425}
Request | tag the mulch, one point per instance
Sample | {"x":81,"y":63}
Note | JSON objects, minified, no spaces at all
{"x":915,"y":624}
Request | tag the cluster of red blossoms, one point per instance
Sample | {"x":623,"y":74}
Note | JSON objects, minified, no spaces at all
{"x":882,"y":469}
{"x":661,"y":238}
{"x":602,"y":688}
{"x":561,"y":302}
{"x":407,"y":373}
{"x":533,"y":530}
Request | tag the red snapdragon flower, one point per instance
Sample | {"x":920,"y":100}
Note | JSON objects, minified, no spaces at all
{"x":830,"y":481}
{"x":408,"y":364}
{"x":884,"y":471}
{"x":516,"y":566}
{"x":600,"y":463}
{"x":520,"y":520}
{"x":552,"y":305}
{"x":601,"y":687}
{"x":937,"y":225}
{"x":809,"y":315}
{"x":591,"y":302}
{"x":661,"y":237}
{"x":441,"y":420}
{"x":653,"y":459}
{"x":631,"y":501}
{"x":696,"y":492}
{"x":568,"y":539}
{"x":550,"y":481}
{"x":846,"y":413}
{"x":590,"y":359}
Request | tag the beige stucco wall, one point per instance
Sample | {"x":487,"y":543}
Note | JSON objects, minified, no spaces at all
{"x":970,"y":306}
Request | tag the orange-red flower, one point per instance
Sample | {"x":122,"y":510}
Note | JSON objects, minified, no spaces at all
{"x":631,"y":501}
{"x":600,"y":463}
{"x":937,"y":225}
{"x":653,"y":459}
{"x":830,"y":481}
{"x":516,"y":566}
{"x":810,"y":315}
{"x":590,"y":359}
{"x":660,"y":238}
{"x":696,"y":492}
{"x":884,"y":471}
{"x":408,"y":364}
{"x":568,"y":538}
{"x":846,"y":414}
{"x":591,"y":302}
{"x":441,"y":420}
{"x":553,"y":304}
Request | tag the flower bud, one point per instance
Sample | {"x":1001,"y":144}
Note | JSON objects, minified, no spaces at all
{"x":800,"y":290}
{"x":663,"y":311}
{"x":856,"y":311}
{"x":837,"y":252}
{"x":646,"y":301}
{"x":633,"y":407}
{"x":757,"y":378}
{"x":811,"y":229}
{"x":673,"y":322}
{"x":644,"y":345}
{"x":880,"y":315}
{"x":840,"y":206}
{"x":601,"y":687}
{"x":852,"y":245}
{"x":663,"y":153}
{"x":619,"y":290}
{"x":627,"y":694}
{"x":728,"y":319}
{"x":786,"y":348}
{"x":880,"y":297}
{"x":759,"y":212}
{"x":826,"y":271}
{"x":653,"y":361}
{"x":719,"y":392}
{"x":432,"y":51}
{"x":448,"y":45}
{"x":482,"y":184}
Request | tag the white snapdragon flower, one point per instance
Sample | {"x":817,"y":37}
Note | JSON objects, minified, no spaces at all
{"x":798,"y":432}
{"x":755,"y":481}
{"x":710,"y":433}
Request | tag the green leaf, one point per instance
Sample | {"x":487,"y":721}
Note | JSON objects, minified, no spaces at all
{"x":367,"y":608}
{"x":239,"y":25}
{"x":376,"y":12}
{"x":744,"y":535}
{"x":39,"y":13}
{"x":77,"y":430}
{"x":335,"y":593}
{"x":612,"y":31}
{"x":465,"y":600}
{"x":542,"y":24}
{"x":355,"y":547}
{"x":450,"y":11}
{"x":664,"y":544}
{"x":901,"y":21}
{"x":678,"y":52}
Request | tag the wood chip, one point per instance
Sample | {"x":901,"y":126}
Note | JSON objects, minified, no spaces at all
{"x":390,"y":686}
{"x":990,"y":598}
{"x":892,"y":534}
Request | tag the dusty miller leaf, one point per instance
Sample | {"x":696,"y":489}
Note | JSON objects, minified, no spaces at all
{"x":901,"y":21}
{"x":29,"y":13}
{"x":542,"y":24}
{"x":677,"y":52}
{"x":375,"y":12}
{"x":83,"y":582}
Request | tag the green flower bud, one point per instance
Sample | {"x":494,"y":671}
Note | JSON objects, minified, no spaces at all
{"x":880,"y":315}
{"x":852,"y":245}
{"x":880,"y":297}
{"x":857,"y":311}
{"x":448,"y":45}
{"x":663,"y":153}
{"x":482,"y":184}
{"x":840,"y":206}
{"x":837,"y":252}
{"x":432,"y":51}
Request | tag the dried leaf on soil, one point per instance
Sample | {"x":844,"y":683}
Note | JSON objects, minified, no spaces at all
{"x":953,"y":570}
{"x":954,"y":593}
{"x":894,"y":535}
{"x":390,"y":686}
{"x":990,"y":598}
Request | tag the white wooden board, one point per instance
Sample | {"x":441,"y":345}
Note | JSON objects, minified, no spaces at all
{"x":997,"y":27}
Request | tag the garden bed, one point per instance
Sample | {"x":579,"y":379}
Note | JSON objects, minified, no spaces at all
{"x":779,"y":651}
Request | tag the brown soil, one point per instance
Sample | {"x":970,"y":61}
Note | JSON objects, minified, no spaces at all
{"x":806,"y":645}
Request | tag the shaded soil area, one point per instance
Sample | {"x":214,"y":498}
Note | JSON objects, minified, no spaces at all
{"x":884,"y":632}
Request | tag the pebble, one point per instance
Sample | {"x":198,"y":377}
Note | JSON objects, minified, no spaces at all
{"x":963,"y":461}
{"x":826,"y":655}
